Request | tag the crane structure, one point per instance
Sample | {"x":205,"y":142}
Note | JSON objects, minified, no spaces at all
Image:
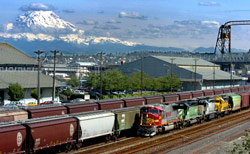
{"x":223,"y":43}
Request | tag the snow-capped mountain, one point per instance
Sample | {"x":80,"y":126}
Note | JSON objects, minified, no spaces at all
{"x":47,"y":26}
{"x":44,"y":19}
{"x":44,"y":30}
{"x":37,"y":22}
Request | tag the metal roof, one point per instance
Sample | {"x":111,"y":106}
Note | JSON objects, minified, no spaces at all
{"x":86,"y":63}
{"x":10,"y":55}
{"x":185,"y":61}
{"x":207,"y":74}
{"x":27,"y":79}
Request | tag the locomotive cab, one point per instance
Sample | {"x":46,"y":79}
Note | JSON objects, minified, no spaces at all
{"x":222,"y":104}
{"x":150,"y":118}
{"x":157,"y":118}
{"x":150,"y":115}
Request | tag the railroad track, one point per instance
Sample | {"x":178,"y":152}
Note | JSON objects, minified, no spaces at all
{"x":169,"y":141}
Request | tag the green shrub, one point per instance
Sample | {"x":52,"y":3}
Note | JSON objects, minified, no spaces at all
{"x":74,"y":96}
{"x":106,"y":97}
{"x":114,"y":96}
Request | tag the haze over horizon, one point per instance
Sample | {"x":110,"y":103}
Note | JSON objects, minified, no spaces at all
{"x":181,"y":24}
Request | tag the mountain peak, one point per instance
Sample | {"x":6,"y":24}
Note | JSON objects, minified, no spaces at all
{"x":46,"y":27}
{"x":43,"y":19}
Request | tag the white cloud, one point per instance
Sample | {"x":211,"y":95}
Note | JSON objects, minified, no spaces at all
{"x":188,"y":28}
{"x":211,"y":3}
{"x":70,"y":38}
{"x":28,"y":36}
{"x":73,"y":38}
{"x":88,"y":22}
{"x":9,"y":26}
{"x":97,"y":40}
{"x":211,"y":24}
{"x":36,"y":7}
{"x":113,"y":21}
{"x":107,"y":27}
{"x":132,"y":15}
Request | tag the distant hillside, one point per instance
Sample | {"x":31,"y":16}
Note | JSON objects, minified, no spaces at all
{"x":29,"y":47}
{"x":203,"y":50}
{"x":211,"y":50}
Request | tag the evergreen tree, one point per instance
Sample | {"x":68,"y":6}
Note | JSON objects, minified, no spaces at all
{"x":15,"y":92}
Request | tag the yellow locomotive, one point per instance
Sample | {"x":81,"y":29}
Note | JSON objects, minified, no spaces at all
{"x":221,"y":105}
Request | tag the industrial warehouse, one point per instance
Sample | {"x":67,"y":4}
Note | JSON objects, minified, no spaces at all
{"x":194,"y":73}
{"x":17,"y":67}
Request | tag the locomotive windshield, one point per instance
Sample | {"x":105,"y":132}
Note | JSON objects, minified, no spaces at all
{"x":153,"y":111}
{"x":147,"y":110}
{"x":144,"y":110}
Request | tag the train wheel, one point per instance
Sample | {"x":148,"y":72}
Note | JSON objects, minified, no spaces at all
{"x":216,"y":116}
{"x":181,"y":126}
{"x":200,"y":120}
{"x":108,"y":137}
{"x":222,"y":114}
{"x":79,"y":145}
{"x":68,"y":147}
{"x":177,"y":126}
{"x":115,"y":137}
{"x":208,"y":117}
{"x":187,"y":123}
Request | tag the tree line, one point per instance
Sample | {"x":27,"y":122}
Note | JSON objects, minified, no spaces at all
{"x":16,"y":92}
{"x":115,"y":80}
{"x":112,"y":81}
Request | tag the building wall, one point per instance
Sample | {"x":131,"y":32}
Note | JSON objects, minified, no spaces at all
{"x":219,"y":84}
{"x":46,"y":95}
{"x":157,"y":68}
{"x":189,"y":86}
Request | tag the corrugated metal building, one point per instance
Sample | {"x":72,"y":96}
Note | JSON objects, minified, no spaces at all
{"x":17,"y":67}
{"x":188,"y":70}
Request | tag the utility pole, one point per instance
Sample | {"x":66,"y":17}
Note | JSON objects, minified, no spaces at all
{"x":141,"y":72}
{"x":101,"y":54}
{"x":231,"y":71}
{"x":171,"y":80}
{"x":54,"y":75}
{"x":214,"y":76}
{"x":195,"y":64}
{"x":38,"y":75}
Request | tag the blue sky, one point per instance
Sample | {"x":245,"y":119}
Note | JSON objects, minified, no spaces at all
{"x":177,"y":23}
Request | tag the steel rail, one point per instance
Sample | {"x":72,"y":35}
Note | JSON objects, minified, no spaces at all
{"x":172,"y":139}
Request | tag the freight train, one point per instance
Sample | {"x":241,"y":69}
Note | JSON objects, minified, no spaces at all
{"x":64,"y":132}
{"x":163,"y":117}
{"x":115,"y":117}
{"x":51,"y":110}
